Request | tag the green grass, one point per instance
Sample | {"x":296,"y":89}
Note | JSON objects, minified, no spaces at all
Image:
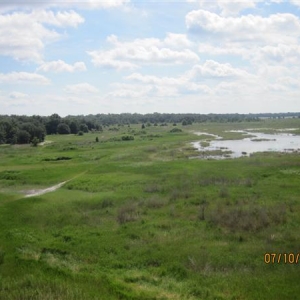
{"x":139,"y":220}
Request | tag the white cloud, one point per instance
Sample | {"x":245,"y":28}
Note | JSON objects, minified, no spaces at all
{"x":176,"y":40}
{"x":227,"y":7}
{"x":128,"y":55}
{"x":17,"y":95}
{"x":295,"y":2}
{"x":283,"y":28}
{"x":7,"y":5}
{"x":81,"y":88}
{"x":23,"y":77}
{"x":123,"y":90}
{"x":61,"y":66}
{"x":215,"y":69}
{"x":23,"y":35}
{"x":60,"y":19}
{"x":167,"y":86}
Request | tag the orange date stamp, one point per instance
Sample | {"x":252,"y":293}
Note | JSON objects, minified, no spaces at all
{"x":285,"y":258}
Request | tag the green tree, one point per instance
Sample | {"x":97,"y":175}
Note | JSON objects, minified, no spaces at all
{"x":23,"y":137}
{"x":84,"y":128}
{"x":52,"y":123}
{"x":63,"y":128}
{"x":35,"y":141}
{"x":74,"y":127}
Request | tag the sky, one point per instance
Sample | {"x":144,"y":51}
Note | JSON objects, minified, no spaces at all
{"x":122,"y":56}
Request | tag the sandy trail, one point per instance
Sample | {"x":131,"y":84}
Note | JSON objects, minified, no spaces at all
{"x":32,"y":193}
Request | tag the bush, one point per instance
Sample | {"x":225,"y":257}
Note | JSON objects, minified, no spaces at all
{"x":127,"y":138}
{"x":97,"y":139}
{"x":35,"y":141}
{"x":107,"y":203}
{"x":251,"y":219}
{"x":1,"y":257}
{"x":127,"y":213}
{"x":155,"y":202}
{"x":175,"y":130}
{"x":80,"y":132}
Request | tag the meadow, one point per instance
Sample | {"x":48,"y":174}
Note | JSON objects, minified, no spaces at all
{"x":138,"y":219}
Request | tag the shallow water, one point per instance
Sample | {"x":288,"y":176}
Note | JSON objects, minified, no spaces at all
{"x":258,"y":142}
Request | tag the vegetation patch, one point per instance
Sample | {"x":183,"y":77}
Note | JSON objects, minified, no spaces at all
{"x":57,"y":158}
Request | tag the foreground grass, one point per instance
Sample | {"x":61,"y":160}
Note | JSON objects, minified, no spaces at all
{"x":139,"y":220}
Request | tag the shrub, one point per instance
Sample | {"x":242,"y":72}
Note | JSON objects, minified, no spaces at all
{"x":253,"y":218}
{"x":152,"y":188}
{"x":223,"y":192}
{"x":127,"y":138}
{"x":1,"y":257}
{"x":35,"y":141}
{"x":107,"y":203}
{"x":97,"y":139}
{"x":80,"y":132}
{"x":127,"y":213}
{"x":155,"y":202}
{"x":175,"y":130}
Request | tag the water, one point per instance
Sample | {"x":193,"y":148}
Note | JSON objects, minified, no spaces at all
{"x":258,"y":142}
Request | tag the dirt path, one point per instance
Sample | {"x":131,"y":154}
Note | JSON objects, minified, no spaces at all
{"x":32,"y":193}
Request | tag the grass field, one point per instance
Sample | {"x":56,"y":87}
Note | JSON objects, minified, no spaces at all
{"x":138,"y":219}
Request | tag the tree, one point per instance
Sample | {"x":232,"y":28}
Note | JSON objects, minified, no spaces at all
{"x":84,"y":128}
{"x":52,"y":123}
{"x":74,"y":127}
{"x":63,"y":128}
{"x":23,"y":137}
{"x":35,"y":130}
{"x":143,"y":126}
{"x":2,"y":134}
{"x":97,"y":139}
{"x":35,"y":141}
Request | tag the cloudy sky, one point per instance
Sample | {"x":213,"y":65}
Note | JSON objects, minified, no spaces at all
{"x":114,"y":56}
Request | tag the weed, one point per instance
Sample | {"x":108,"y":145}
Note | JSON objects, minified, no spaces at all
{"x":127,"y":213}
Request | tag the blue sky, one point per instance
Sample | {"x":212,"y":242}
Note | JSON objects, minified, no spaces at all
{"x":119,"y":56}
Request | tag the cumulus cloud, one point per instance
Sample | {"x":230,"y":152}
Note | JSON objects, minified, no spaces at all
{"x":60,"y":66}
{"x":17,"y":95}
{"x":227,"y":7}
{"x":60,"y":19}
{"x":176,"y":40}
{"x":23,"y":77}
{"x":7,"y":5}
{"x":167,"y":86}
{"x":283,"y":27}
{"x":23,"y":35}
{"x":213,"y":69}
{"x":81,"y":88}
{"x":128,"y":55}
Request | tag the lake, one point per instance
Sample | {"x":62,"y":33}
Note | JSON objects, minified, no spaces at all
{"x":252,"y":143}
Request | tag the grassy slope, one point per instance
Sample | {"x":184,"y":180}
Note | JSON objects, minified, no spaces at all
{"x":139,"y":220}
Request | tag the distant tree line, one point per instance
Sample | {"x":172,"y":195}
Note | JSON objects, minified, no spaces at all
{"x":16,"y":129}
